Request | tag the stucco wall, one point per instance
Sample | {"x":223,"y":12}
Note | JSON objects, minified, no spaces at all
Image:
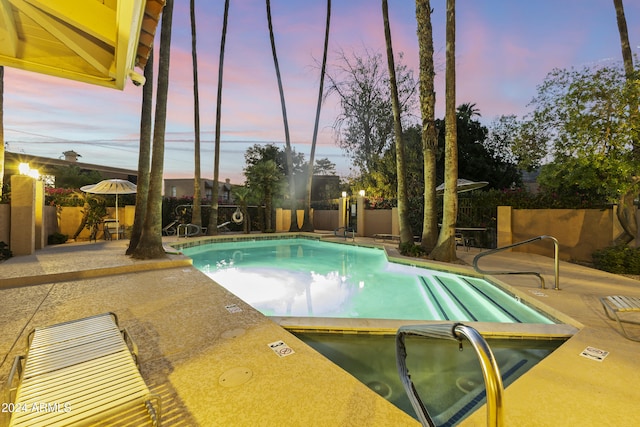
{"x":69,"y":219}
{"x":579,"y":231}
{"x":5,"y":223}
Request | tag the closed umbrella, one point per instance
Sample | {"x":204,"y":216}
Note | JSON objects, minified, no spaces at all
{"x":111,"y":186}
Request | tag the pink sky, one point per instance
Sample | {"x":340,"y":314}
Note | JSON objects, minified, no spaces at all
{"x":504,"y":49}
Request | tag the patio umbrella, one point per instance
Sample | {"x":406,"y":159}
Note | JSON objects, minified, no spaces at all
{"x":463,"y":185}
{"x":111,"y":186}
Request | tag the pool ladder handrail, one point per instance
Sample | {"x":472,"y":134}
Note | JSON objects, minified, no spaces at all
{"x":535,"y":273}
{"x":488,"y":364}
{"x":189,"y":230}
{"x":345,"y":231}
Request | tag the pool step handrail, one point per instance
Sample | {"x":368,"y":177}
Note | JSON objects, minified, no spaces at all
{"x":344,"y":232}
{"x":189,"y":230}
{"x":556,"y":260}
{"x":452,"y":331}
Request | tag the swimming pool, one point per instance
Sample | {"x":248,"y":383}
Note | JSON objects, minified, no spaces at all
{"x":312,"y":278}
{"x":449,"y":381}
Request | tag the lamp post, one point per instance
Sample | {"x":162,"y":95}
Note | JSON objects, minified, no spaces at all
{"x":344,"y":215}
{"x":360,"y":213}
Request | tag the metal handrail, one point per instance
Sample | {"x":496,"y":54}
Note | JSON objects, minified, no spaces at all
{"x":488,"y":364}
{"x":189,"y":230}
{"x":345,"y":230}
{"x":535,"y":273}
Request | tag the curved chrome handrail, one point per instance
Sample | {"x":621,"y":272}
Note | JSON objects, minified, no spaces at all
{"x":189,"y":230}
{"x":535,"y":273}
{"x":488,"y":364}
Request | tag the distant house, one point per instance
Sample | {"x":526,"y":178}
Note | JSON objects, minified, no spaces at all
{"x":183,"y":187}
{"x":47,"y":167}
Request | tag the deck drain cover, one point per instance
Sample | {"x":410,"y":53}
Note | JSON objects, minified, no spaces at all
{"x":235,"y":377}
{"x":233,"y":333}
{"x":381,"y":388}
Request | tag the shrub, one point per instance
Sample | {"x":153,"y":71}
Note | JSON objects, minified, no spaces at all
{"x":5,"y":252}
{"x":412,"y":250}
{"x":620,"y":259}
{"x":57,"y":238}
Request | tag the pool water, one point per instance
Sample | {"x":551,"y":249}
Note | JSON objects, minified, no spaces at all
{"x":448,"y":381}
{"x":311,"y":278}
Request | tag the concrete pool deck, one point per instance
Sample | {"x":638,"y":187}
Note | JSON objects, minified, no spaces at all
{"x":206,"y":352}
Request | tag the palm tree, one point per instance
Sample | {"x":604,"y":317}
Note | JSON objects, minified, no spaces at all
{"x":307,"y":225}
{"x":429,"y":132}
{"x":150,"y":245}
{"x":196,"y":214}
{"x":263,"y":178}
{"x":445,"y":249}
{"x":1,"y":130}
{"x":213,"y":218}
{"x":144,"y":157}
{"x":406,"y":235}
{"x":626,"y":209}
{"x":292,"y":183}
{"x":468,"y":111}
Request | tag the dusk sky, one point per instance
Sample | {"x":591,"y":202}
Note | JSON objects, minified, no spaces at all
{"x":504,"y":49}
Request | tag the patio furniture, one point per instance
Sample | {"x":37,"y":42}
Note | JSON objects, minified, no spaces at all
{"x":112,"y":228}
{"x":617,"y":305}
{"x":79,"y":372}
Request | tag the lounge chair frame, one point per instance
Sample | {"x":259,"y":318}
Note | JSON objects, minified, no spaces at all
{"x":616,"y":305}
{"x":78,"y":373}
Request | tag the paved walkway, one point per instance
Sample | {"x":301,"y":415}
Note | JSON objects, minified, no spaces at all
{"x":212,"y":365}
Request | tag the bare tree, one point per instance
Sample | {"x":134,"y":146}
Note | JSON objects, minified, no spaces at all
{"x":150,"y":245}
{"x":429,"y":132}
{"x":213,"y":218}
{"x":307,"y":225}
{"x":144,"y":156}
{"x":445,"y":249}
{"x":406,"y":235}
{"x":287,"y":139}
{"x":196,"y":212}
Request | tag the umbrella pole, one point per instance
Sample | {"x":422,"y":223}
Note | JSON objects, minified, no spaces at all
{"x":117,"y":222}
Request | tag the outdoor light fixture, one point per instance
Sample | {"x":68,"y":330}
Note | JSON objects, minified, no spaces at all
{"x":25,"y":169}
{"x":361,"y":193}
{"x":344,"y":194}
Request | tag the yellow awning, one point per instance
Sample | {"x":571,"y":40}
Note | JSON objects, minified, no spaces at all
{"x":93,"y":41}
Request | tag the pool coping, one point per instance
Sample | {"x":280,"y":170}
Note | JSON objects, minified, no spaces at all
{"x":514,"y":331}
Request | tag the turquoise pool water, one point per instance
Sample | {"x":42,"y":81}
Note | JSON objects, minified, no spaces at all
{"x":311,"y":278}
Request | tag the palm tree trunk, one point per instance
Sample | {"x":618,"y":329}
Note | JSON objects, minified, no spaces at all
{"x":196,"y":214}
{"x":144,"y":157}
{"x":150,"y":245}
{"x":1,"y":130}
{"x":213,"y":218}
{"x":406,"y":235}
{"x":292,"y":183}
{"x":626,"y":212}
{"x":429,"y":134}
{"x":445,"y":249}
{"x":307,"y":225}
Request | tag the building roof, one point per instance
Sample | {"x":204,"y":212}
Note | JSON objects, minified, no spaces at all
{"x":12,"y":160}
{"x":92,"y":41}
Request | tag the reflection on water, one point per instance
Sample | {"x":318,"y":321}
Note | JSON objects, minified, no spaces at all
{"x":288,"y":293}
